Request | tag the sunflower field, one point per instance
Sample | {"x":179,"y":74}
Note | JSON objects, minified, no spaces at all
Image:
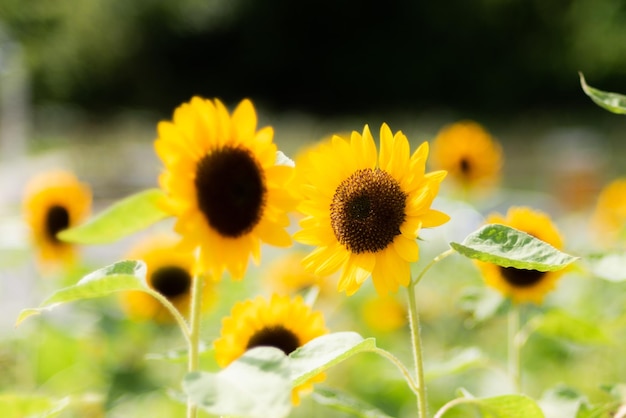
{"x":363,"y":273}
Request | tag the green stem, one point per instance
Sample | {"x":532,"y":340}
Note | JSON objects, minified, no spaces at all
{"x":180,"y":320}
{"x":450,"y":405}
{"x":405,"y":372}
{"x":194,"y":335}
{"x":514,"y":347}
{"x":415,"y":336}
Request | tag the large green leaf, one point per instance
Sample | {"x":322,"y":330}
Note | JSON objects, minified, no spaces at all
{"x":345,"y":403}
{"x":613,"y":102}
{"x":123,"y":275}
{"x":324,"y":352}
{"x":510,"y":247}
{"x":123,"y":218}
{"x":257,"y":385}
{"x":504,"y":406}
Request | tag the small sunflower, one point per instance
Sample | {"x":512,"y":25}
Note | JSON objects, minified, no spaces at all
{"x":364,"y":211}
{"x":223,"y":184}
{"x":519,"y":284}
{"x":287,"y":276}
{"x":471,"y":156}
{"x":169,"y":271}
{"x":609,"y":216}
{"x":54,"y":201}
{"x":282,"y":322}
{"x":384,"y":313}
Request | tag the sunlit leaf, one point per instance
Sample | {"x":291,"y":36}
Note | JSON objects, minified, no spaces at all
{"x":123,"y":218}
{"x":20,"y":406}
{"x":460,"y":361}
{"x":324,"y":352}
{"x":510,"y":247}
{"x":559,"y":324}
{"x":610,"y":266}
{"x":482,"y":303}
{"x":123,"y":275}
{"x":613,"y":102}
{"x":257,"y":385}
{"x":343,"y":402}
{"x":505,"y":406}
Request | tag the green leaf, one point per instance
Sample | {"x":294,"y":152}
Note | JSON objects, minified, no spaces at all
{"x":482,"y":303}
{"x":257,"y":385}
{"x":562,"y":402}
{"x":461,"y":361}
{"x":559,"y":324}
{"x":123,"y":218}
{"x":505,"y":406}
{"x":608,"y":266}
{"x":31,"y":406}
{"x":324,"y":352}
{"x":613,"y":102}
{"x":123,"y":275}
{"x":343,"y":402}
{"x":509,"y":247}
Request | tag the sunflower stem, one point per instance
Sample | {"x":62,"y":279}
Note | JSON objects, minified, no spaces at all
{"x":415,"y":335}
{"x":514,"y":347}
{"x":396,"y":361}
{"x":180,"y":320}
{"x":194,"y":335}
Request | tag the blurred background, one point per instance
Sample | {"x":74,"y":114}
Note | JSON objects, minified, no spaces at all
{"x":84,"y":83}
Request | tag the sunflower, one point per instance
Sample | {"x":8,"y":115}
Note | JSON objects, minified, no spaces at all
{"x":384,"y":313}
{"x":469,"y":153}
{"x":223,"y":184}
{"x":287,"y":276}
{"x":519,"y":284}
{"x":282,"y":322}
{"x":364,"y":211}
{"x":609,"y":216}
{"x":169,"y":271}
{"x":54,"y":201}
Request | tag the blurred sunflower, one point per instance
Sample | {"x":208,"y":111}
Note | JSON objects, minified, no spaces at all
{"x":223,"y":184}
{"x":287,"y":276}
{"x":364,"y":211}
{"x":384,"y":313}
{"x":608,"y":220}
{"x":54,"y":201}
{"x":282,"y":322}
{"x":471,"y":156}
{"x":169,"y":271}
{"x":518,"y":284}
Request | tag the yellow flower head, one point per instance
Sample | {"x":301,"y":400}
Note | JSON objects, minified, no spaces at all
{"x":468,"y":153}
{"x":364,"y":210}
{"x":169,"y":271}
{"x":609,"y":216}
{"x":518,"y":284}
{"x":223,"y":184}
{"x":54,"y":201}
{"x":287,"y":276}
{"x":282,"y":322}
{"x":384,"y":313}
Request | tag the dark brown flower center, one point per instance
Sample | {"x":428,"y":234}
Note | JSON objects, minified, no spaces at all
{"x":275,"y":336}
{"x":230,"y":189}
{"x":367,"y":211}
{"x":465,"y":166}
{"x":171,"y":281}
{"x":57,"y":219}
{"x":521,"y":277}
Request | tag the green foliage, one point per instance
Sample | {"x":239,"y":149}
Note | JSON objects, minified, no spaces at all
{"x":557,"y":323}
{"x":613,"y":102}
{"x":123,"y":275}
{"x":20,"y":406}
{"x":343,"y":402}
{"x":257,"y":385}
{"x":509,"y":247}
{"x":123,"y":218}
{"x":505,"y":406}
{"x":326,"y":351}
{"x":608,"y":266}
{"x":461,"y":361}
